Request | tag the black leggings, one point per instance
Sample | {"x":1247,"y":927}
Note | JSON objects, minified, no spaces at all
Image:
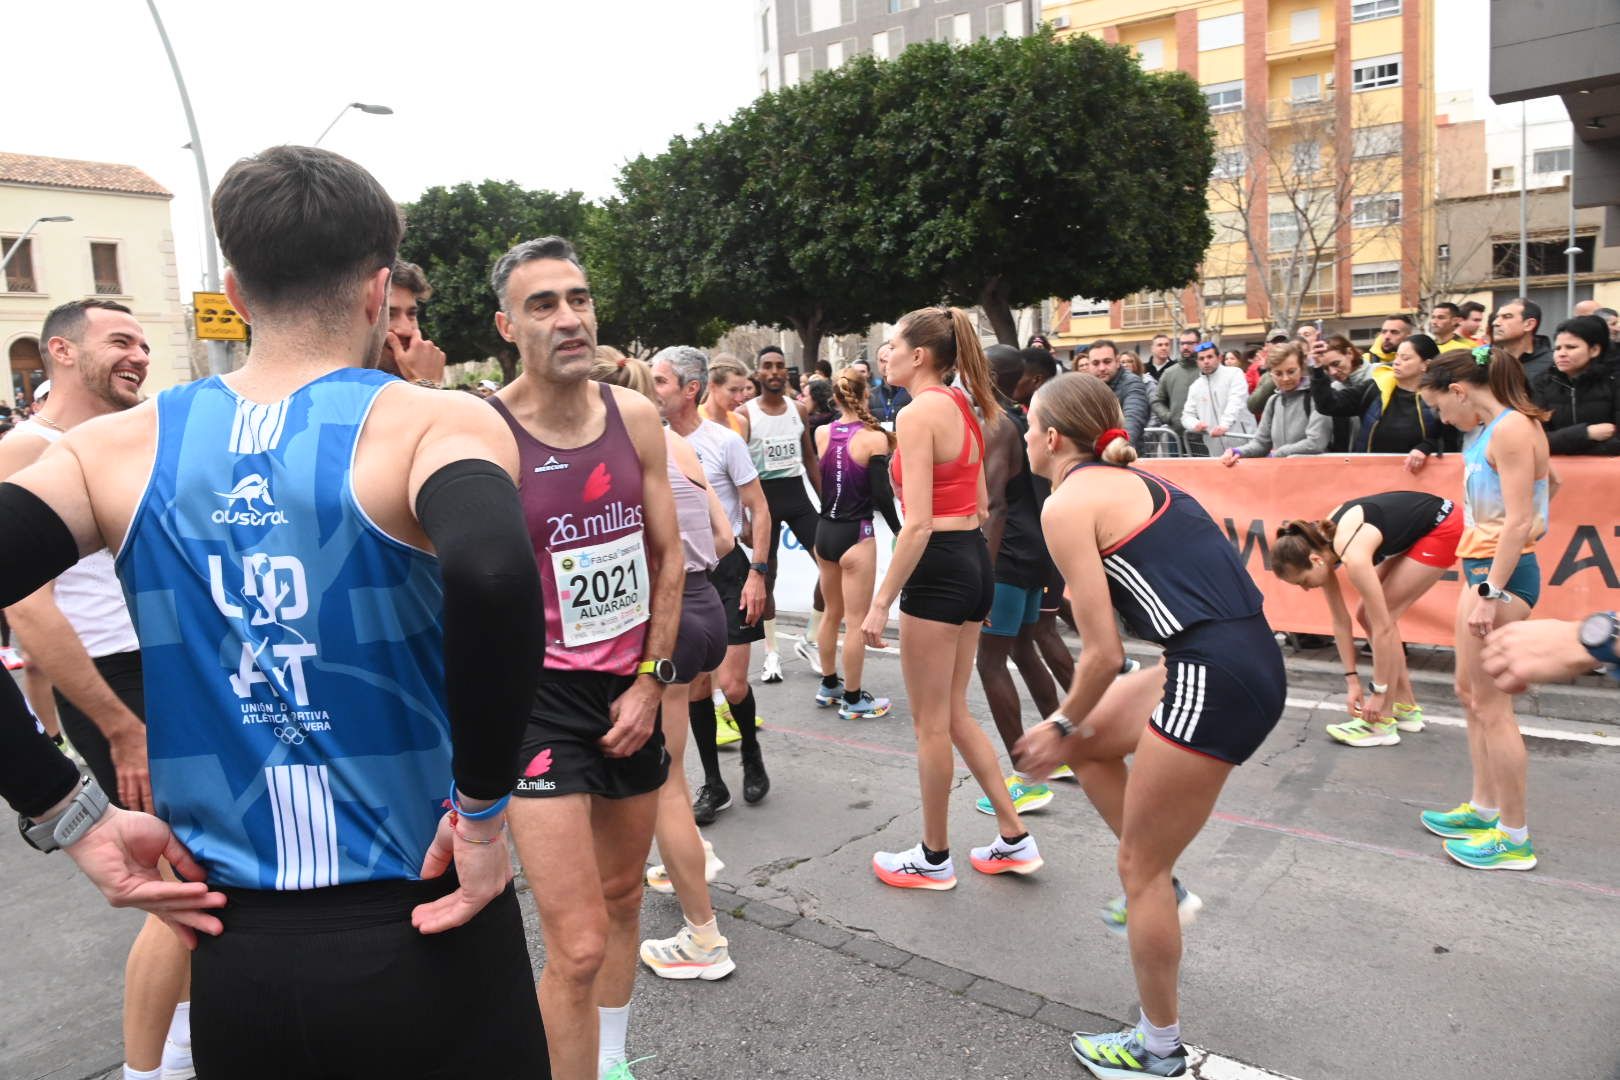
{"x":335,"y":984}
{"x":122,"y":672}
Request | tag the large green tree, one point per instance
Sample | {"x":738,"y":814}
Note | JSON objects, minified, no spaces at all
{"x":456,"y":234}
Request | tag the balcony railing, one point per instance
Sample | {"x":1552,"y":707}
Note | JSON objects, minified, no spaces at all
{"x":1282,"y":43}
{"x":1296,"y":110}
{"x":108,"y":288}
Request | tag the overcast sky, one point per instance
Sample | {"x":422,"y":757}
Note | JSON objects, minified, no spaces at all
{"x":550,"y":93}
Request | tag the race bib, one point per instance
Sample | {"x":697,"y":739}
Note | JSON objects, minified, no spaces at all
{"x":602,"y":589}
{"x":781,"y":452}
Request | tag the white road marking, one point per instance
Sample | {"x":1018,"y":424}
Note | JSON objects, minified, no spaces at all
{"x":1210,"y":1066}
{"x":1593,"y":738}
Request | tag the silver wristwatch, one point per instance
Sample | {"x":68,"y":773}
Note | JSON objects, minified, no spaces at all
{"x":67,"y":828}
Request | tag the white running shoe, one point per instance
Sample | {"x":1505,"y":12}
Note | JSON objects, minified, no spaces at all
{"x":1000,"y":857}
{"x":807,"y":652}
{"x":681,"y":957}
{"x":772,"y":671}
{"x":911,"y":870}
{"x":658,"y":876}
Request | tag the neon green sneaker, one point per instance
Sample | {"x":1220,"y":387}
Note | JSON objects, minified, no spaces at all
{"x":1025,"y":797}
{"x":1359,"y":733}
{"x":1062,"y":772}
{"x":621,"y":1069}
{"x":1409,"y":718}
{"x":1461,"y":822}
{"x":1492,"y":851}
{"x":725,"y":725}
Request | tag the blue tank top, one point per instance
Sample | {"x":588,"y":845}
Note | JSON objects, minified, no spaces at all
{"x":293,"y":652}
{"x":1484,"y":505}
{"x":1177,"y":570}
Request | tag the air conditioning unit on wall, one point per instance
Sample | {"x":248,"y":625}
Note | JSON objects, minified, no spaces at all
{"x":1060,"y":23}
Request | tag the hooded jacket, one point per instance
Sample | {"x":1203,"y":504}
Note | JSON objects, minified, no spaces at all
{"x":1290,"y":426}
{"x":1592,"y":396}
{"x":1393,"y":421}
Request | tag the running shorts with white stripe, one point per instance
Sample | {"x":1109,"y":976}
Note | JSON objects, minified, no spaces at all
{"x":1224,"y":688}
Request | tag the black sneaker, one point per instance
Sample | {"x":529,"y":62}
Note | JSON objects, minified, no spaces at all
{"x":711,"y":799}
{"x":756,"y":784}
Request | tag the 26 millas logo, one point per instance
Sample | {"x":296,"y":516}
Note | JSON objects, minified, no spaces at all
{"x":249,"y":491}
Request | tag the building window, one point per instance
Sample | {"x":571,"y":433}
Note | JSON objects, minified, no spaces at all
{"x":20,"y":270}
{"x":1376,"y":73}
{"x":1004,"y":19}
{"x":887,"y":44}
{"x":1284,"y":230}
{"x":827,"y":14}
{"x":1229,"y":163}
{"x":1304,"y":88}
{"x":1378,"y":140}
{"x":1226,"y":227}
{"x":1306,"y":155}
{"x":1221,"y":32}
{"x":1150,"y":54}
{"x":1082,"y":306}
{"x":1219,"y":291}
{"x":1375,"y":209}
{"x":1317,"y":296}
{"x":1503,"y":177}
{"x":839,"y":52}
{"x":765,"y":31}
{"x":1551,"y":161}
{"x":801,"y":17}
{"x":1365,"y":10}
{"x":954,"y":29}
{"x":1145,"y":309}
{"x":104,"y":268}
{"x":1224,"y":97}
{"x":897,"y":6}
{"x":797,"y":66}
{"x":1543,"y":258}
{"x":1304,"y":26}
{"x":1371,"y":279}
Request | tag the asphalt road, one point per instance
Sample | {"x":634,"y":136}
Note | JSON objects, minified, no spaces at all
{"x":1337,"y":940}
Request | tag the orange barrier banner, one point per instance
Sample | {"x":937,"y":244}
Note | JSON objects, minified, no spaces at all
{"x":1579,"y":556}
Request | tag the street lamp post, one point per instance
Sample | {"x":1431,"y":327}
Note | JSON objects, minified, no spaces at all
{"x":17,"y":246}
{"x":219,"y":355}
{"x":374,"y":110}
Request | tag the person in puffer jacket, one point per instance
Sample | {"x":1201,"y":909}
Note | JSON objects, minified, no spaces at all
{"x":1217,"y":404}
{"x":1290,"y":425}
{"x":1581,"y":391}
{"x":1394,"y":418}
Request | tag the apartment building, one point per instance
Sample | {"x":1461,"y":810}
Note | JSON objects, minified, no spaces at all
{"x":1324,"y":119}
{"x":119,"y":244}
{"x":798,"y":38}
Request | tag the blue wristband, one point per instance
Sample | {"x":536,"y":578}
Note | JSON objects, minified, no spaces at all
{"x":481,"y":815}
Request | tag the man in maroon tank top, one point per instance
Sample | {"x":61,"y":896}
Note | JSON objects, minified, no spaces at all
{"x":602,"y":517}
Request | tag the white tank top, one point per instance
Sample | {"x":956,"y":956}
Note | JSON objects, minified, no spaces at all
{"x":776,"y":442}
{"x":88,"y":593}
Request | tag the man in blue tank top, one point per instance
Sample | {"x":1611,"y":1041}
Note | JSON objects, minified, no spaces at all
{"x":319,"y":560}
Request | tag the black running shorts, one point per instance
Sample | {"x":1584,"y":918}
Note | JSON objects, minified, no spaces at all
{"x":700,"y":645}
{"x":1224,"y":688}
{"x":335,"y":984}
{"x":560,"y":753}
{"x":953,"y":581}
{"x":834,"y":538}
{"x":728,"y":579}
{"x":122,"y":673}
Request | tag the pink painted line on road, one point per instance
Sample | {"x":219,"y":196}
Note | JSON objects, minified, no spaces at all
{"x":1293,"y":831}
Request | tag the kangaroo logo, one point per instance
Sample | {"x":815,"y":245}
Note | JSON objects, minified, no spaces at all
{"x":251,"y":490}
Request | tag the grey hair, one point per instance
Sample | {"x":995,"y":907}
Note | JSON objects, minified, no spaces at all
{"x":691,"y":364}
{"x":1607,"y":312}
{"x":545,"y":247}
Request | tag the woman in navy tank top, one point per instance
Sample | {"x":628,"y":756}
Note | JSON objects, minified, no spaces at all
{"x":1127,"y":541}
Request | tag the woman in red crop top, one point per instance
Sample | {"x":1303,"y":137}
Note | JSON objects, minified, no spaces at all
{"x":941,"y":573}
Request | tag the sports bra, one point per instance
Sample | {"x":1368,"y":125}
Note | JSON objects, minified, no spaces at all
{"x":956,"y":483}
{"x":1402,"y":518}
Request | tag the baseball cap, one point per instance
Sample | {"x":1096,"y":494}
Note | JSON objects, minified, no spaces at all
{"x":488,"y":384}
{"x":1276,"y":335}
{"x":42,"y":390}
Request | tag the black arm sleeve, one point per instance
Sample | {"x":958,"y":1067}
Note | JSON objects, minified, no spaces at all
{"x":494,"y":631}
{"x":877,"y":468}
{"x":35,"y":544}
{"x":34,"y":774}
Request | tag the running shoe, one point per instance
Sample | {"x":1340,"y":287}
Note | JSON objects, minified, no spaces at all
{"x":1188,"y":905}
{"x":1409,"y":718}
{"x":771,"y":672}
{"x":756,"y":782}
{"x":1121,"y":1055}
{"x":1461,"y":822}
{"x":867,"y":708}
{"x":725,"y":725}
{"x":620,"y":1070}
{"x":911,"y":870}
{"x":1492,"y":850}
{"x":1026,"y":796}
{"x":658,"y":876}
{"x":681,"y":957}
{"x":11,"y":659}
{"x":1000,"y":857}
{"x":1062,"y":772}
{"x":829,"y":695}
{"x":711,"y":799}
{"x":805,"y":651}
{"x":1360,"y":734}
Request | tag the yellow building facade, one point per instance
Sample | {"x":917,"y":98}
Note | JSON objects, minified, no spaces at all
{"x":1322,"y":193}
{"x":119,"y":245}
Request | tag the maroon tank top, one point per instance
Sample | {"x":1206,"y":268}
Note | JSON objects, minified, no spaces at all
{"x":584,"y":511}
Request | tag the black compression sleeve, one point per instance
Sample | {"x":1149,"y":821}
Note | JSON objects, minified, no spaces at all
{"x":34,"y":774}
{"x":877,"y":468}
{"x":494,"y":632}
{"x":35,"y":544}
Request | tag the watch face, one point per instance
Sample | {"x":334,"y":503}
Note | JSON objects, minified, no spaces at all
{"x":1484,"y":589}
{"x":664,"y":671}
{"x":1597,"y":630}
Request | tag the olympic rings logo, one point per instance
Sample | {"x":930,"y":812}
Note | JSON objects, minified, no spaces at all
{"x":289,"y":735}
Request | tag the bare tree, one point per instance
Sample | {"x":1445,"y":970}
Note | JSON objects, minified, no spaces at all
{"x":1306,"y":193}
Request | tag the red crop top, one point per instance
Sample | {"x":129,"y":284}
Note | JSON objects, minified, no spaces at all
{"x":956,"y":483}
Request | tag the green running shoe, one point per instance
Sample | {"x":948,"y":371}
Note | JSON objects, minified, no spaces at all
{"x":1462,"y":822}
{"x":1025,"y":797}
{"x":1121,"y":1055}
{"x":1492,"y":851}
{"x":1409,"y":718}
{"x":1188,"y":905}
{"x":1360,"y":734}
{"x":621,"y":1069}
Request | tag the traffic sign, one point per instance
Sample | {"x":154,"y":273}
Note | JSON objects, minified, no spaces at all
{"x":216,"y":319}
